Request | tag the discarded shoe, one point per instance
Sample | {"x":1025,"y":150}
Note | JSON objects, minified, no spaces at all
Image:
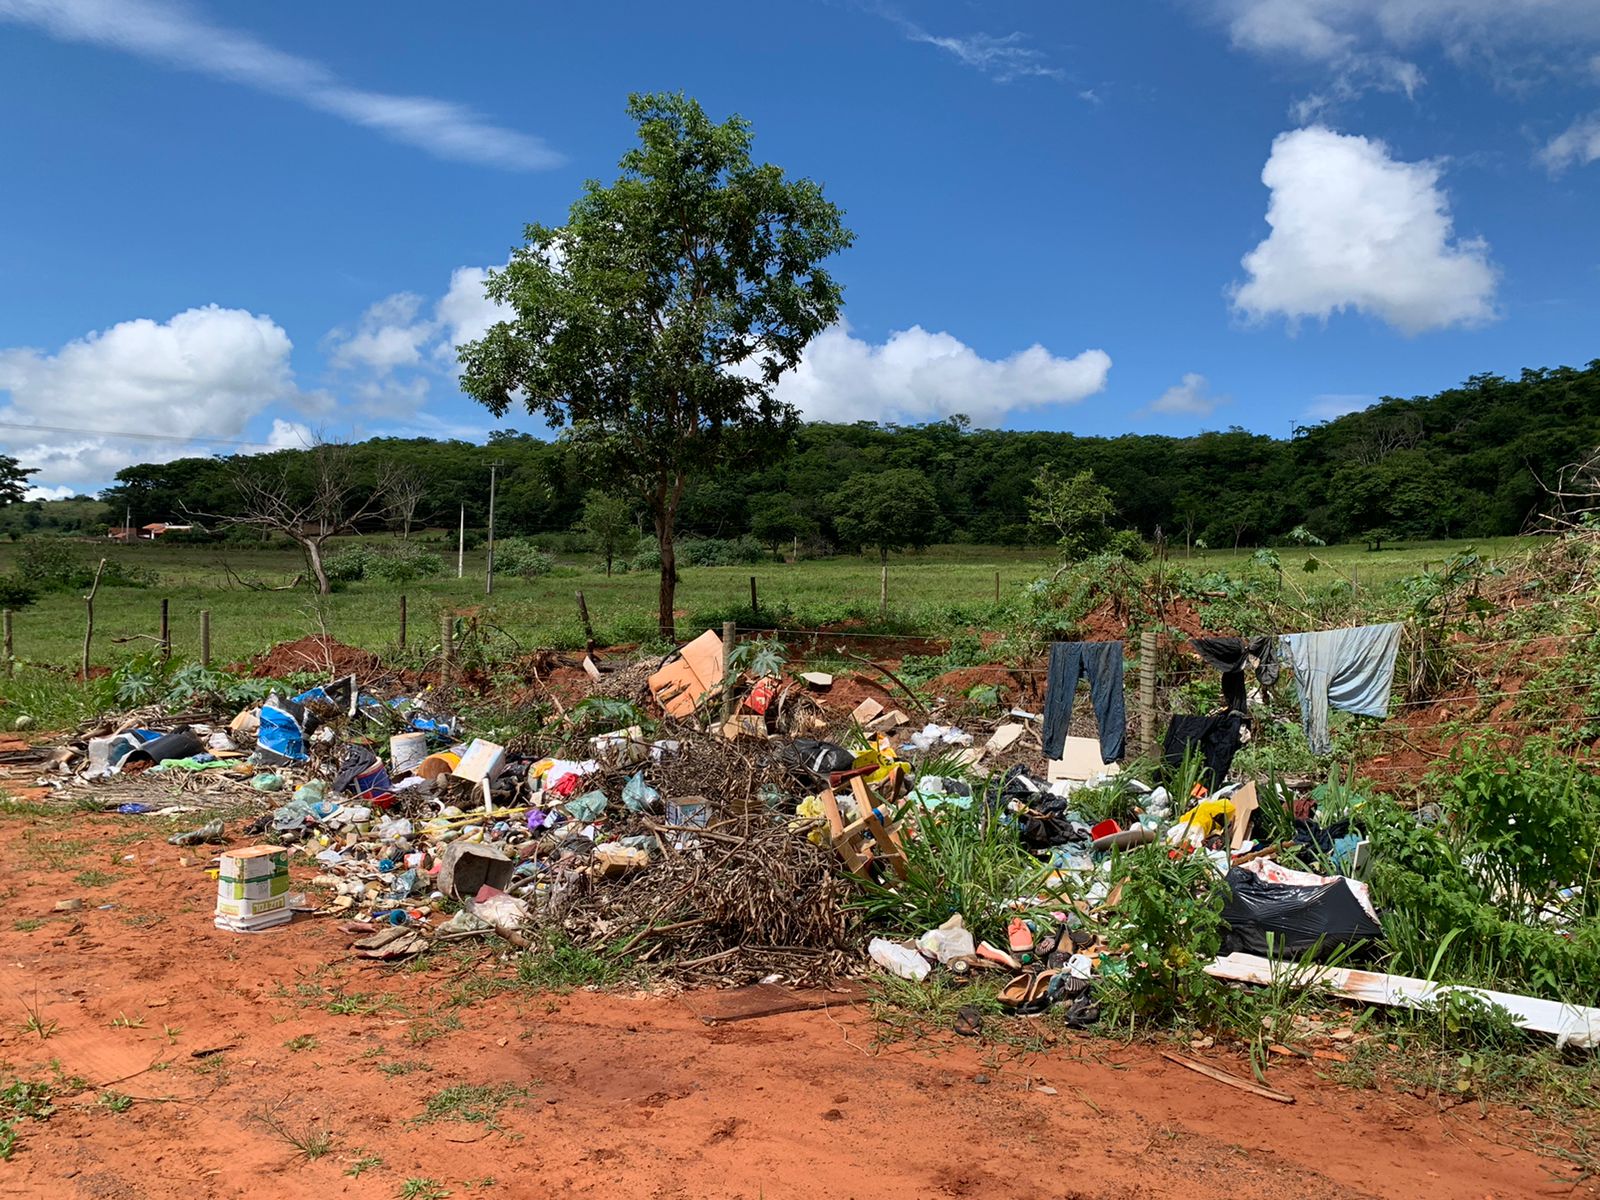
{"x":1019,"y":936}
{"x":969,"y":1021}
{"x":996,"y":955}
{"x":1015,"y":993}
{"x":209,"y":832}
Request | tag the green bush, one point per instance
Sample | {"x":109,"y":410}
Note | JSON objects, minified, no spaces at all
{"x":16,"y":592}
{"x":51,"y":565}
{"x":720,"y":552}
{"x":400,"y":563}
{"x":646,"y":556}
{"x":520,"y":557}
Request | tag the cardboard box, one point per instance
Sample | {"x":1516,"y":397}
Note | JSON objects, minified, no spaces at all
{"x":483,"y":760}
{"x":253,"y":888}
{"x":693,"y":675}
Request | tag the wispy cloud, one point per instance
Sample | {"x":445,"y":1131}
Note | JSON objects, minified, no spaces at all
{"x":170,"y":32}
{"x":1002,"y":57}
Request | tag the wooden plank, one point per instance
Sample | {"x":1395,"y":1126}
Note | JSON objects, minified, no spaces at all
{"x":766,"y":1000}
{"x":830,"y":809}
{"x":1233,"y":1081}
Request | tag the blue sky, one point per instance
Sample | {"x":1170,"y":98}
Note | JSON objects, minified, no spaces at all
{"x":239,"y":223}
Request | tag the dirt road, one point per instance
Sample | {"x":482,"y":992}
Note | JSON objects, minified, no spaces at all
{"x":216,"y":1035}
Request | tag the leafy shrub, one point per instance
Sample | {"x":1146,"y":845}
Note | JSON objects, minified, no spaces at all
{"x":720,"y":552}
{"x":54,"y":566}
{"x":1130,"y":545}
{"x":16,"y":592}
{"x":400,"y":563}
{"x":646,"y":556}
{"x":520,"y":557}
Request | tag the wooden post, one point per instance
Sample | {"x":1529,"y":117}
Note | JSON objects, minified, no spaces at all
{"x":753,"y":609}
{"x":730,"y":634}
{"x":997,"y":587}
{"x":588,"y":629}
{"x":88,"y":620}
{"x":1147,"y":690}
{"x":447,"y":649}
{"x":166,"y":631}
{"x":402,"y":620}
{"x":1355,"y":582}
{"x":11,"y":660}
{"x":205,"y":637}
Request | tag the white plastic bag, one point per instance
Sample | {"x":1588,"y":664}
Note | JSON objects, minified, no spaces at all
{"x":950,"y":940}
{"x":898,"y":960}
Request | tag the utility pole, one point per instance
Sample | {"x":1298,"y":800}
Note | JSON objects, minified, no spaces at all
{"x":461,"y":545}
{"x":488,"y":578}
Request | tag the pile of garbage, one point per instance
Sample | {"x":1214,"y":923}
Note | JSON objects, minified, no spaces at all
{"x":725,"y":846}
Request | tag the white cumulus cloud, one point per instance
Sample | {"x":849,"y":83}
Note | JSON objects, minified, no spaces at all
{"x":1354,"y":228}
{"x":178,"y":35}
{"x":1189,"y":398}
{"x":203,"y":374}
{"x":1336,"y":404}
{"x":916,"y":375}
{"x":1578,"y":145}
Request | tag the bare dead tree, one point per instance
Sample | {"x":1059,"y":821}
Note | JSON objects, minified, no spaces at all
{"x":309,"y":506}
{"x":1384,"y":435}
{"x":407,"y":490}
{"x":1574,"y":498}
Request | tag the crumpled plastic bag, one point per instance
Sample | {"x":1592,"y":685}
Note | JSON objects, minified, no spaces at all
{"x":951,"y":940}
{"x":898,"y":960}
{"x":639,"y":796}
{"x":590,"y":806}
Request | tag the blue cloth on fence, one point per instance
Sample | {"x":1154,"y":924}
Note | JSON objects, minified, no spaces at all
{"x":1102,"y":663}
{"x":1351,"y":670}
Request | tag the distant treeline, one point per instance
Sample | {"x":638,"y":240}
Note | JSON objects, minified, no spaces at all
{"x":1467,"y":462}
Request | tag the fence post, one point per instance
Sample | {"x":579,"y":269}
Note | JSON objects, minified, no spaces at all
{"x":730,"y":634}
{"x":166,"y":631}
{"x":402,"y":620}
{"x":588,"y":629}
{"x":205,"y":637}
{"x":447,"y":649}
{"x":753,"y":609}
{"x":997,"y":587}
{"x":1147,"y":690}
{"x":10,"y":657}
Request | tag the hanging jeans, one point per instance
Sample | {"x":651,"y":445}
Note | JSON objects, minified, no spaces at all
{"x":1348,"y":669}
{"x":1102,"y":663}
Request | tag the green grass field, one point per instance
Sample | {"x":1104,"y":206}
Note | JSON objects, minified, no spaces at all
{"x":932,"y":592}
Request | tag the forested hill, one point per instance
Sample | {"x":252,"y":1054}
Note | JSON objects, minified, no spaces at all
{"x":1464,"y":463}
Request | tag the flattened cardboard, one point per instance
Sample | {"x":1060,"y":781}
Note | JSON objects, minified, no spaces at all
{"x":697,"y":672}
{"x":1080,"y":761}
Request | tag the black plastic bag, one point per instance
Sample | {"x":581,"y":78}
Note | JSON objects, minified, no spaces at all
{"x":1300,"y":919}
{"x":815,"y":760}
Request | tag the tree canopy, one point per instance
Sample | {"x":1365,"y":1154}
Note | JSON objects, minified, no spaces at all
{"x":655,"y":323}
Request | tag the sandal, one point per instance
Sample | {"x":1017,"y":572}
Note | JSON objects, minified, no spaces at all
{"x":1015,"y":993}
{"x":969,"y":1021}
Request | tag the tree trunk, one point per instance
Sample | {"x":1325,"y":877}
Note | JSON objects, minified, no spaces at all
{"x":318,"y":572}
{"x":669,"y":584}
{"x":609,"y":555}
{"x":883,"y":585}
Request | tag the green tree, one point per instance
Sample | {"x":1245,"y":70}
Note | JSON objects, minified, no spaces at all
{"x":13,"y":479}
{"x":607,"y":522}
{"x":776,"y":521}
{"x":889,"y":510}
{"x":1076,"y":510}
{"x":657,"y":321}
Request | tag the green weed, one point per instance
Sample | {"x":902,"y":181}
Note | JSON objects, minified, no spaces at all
{"x":423,"y":1189}
{"x":363,"y":1163}
{"x":312,"y":1140}
{"x":115,"y":1102}
{"x":558,"y":965}
{"x":477,"y":1104}
{"x":305,"y":1041}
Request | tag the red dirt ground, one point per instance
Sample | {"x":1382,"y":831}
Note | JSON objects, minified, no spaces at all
{"x":316,"y":654}
{"x":625,"y":1095}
